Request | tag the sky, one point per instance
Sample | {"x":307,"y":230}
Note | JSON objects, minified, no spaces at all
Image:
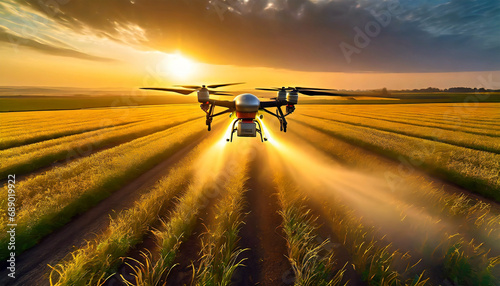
{"x":342,"y":44}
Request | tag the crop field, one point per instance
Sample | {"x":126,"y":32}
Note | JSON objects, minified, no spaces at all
{"x":392,"y":194}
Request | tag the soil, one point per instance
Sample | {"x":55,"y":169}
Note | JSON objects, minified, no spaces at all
{"x":266,"y":262}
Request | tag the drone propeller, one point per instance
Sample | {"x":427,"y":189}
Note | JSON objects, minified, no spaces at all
{"x":273,"y":88}
{"x":187,"y":89}
{"x":311,"y":91}
{"x":178,"y":90}
{"x":269,"y":89}
{"x":208,"y":86}
{"x":214,"y":92}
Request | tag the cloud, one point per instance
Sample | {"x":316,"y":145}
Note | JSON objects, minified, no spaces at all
{"x":15,"y":40}
{"x":321,"y":35}
{"x":480,"y":19}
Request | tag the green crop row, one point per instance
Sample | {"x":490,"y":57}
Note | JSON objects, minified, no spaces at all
{"x":311,"y":262}
{"x":220,"y":255}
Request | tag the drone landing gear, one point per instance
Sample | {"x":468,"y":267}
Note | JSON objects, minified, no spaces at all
{"x":209,"y":124}
{"x":283,"y":124}
{"x":281,"y":117}
{"x":209,"y":109}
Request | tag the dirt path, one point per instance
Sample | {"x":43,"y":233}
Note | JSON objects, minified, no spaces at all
{"x":266,"y":262}
{"x":31,"y":266}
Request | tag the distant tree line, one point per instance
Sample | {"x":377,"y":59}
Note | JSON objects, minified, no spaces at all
{"x":452,"y":89}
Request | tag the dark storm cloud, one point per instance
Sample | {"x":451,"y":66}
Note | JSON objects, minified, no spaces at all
{"x":343,"y":35}
{"x":12,"y":39}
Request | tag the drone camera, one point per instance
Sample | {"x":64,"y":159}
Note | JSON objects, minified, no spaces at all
{"x":247,"y":129}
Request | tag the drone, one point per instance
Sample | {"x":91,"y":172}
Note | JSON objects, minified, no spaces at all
{"x":244,"y":107}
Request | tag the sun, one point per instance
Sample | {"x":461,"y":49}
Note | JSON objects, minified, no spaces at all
{"x":178,"y":66}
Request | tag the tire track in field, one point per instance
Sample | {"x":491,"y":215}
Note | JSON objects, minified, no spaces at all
{"x":266,"y":262}
{"x":32,"y":266}
{"x":187,"y":254}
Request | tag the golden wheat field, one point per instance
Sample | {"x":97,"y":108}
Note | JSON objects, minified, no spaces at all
{"x":393,"y":194}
